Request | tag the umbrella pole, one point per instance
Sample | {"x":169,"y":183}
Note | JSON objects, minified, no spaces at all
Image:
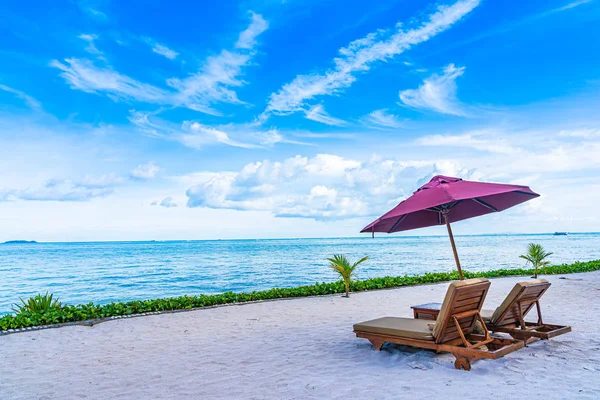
{"x":460,"y":274}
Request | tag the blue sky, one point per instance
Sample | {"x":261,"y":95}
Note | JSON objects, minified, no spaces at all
{"x":157,"y":120}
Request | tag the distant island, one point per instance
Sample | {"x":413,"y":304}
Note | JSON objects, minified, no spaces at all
{"x":20,"y":241}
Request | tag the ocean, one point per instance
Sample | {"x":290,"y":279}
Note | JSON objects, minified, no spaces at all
{"x":103,"y":272}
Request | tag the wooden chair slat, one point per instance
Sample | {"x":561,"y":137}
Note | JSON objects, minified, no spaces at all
{"x":512,"y":320}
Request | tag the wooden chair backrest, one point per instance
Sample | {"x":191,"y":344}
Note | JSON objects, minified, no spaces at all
{"x":462,"y":297}
{"x":525,"y":293}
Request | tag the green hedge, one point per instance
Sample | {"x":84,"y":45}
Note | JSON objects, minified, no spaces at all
{"x":83,"y":312}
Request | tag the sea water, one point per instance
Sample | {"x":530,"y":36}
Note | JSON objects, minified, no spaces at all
{"x":103,"y":272}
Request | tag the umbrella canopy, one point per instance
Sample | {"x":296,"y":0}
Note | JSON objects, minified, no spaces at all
{"x":446,"y":199}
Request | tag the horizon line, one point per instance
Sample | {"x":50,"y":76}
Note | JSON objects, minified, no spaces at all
{"x":388,"y":236}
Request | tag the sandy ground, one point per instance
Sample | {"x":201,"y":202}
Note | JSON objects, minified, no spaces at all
{"x":301,"y":349}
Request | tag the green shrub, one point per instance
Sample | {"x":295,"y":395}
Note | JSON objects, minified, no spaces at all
{"x":82,"y":312}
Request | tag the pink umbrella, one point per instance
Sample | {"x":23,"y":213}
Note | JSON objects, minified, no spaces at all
{"x":445,"y":199}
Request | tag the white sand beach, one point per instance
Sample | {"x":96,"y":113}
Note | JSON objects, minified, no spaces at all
{"x":302,"y":349}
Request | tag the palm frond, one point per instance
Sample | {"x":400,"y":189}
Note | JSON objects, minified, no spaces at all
{"x":344,"y":268}
{"x":527,"y":258}
{"x":536,"y":255}
{"x":360,"y":261}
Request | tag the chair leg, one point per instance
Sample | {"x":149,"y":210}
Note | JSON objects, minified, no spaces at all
{"x":462,"y":363}
{"x":539,"y":312}
{"x":377,"y":343}
{"x":521,"y":319}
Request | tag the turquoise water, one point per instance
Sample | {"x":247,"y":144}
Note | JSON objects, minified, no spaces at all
{"x":119,"y":271}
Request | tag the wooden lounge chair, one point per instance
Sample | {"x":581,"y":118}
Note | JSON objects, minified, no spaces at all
{"x":452,"y":331}
{"x":509,"y":317}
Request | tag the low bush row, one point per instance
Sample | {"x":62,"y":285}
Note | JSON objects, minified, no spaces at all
{"x":82,"y":312}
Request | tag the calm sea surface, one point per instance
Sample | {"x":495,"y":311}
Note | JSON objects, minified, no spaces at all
{"x":119,"y":271}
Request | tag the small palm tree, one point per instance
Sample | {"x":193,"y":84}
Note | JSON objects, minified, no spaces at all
{"x":536,"y":255}
{"x":342,"y":266}
{"x":38,"y":303}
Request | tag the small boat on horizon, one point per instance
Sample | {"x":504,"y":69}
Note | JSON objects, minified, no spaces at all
{"x":561,"y":233}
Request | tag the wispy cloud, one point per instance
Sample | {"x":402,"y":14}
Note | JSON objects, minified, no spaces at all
{"x":145,"y":171}
{"x":437,"y":93}
{"x":196,"y":135}
{"x":160,"y":48}
{"x":91,"y":47}
{"x":586,"y":133}
{"x":498,"y":30}
{"x":99,"y":182}
{"x":360,"y":55}
{"x":96,"y":13}
{"x":84,"y":189}
{"x":568,"y":6}
{"x":382,"y":119}
{"x":214,"y":83}
{"x":317,"y":113}
{"x":30,"y":101}
{"x":83,"y":75}
{"x":519,"y":151}
{"x":220,"y":73}
{"x":487,"y":141}
{"x":247,"y":39}
{"x":90,"y":7}
{"x":167,"y":202}
{"x":164,"y":51}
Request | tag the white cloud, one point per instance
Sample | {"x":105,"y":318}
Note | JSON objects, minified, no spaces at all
{"x":212,"y":84}
{"x":521,"y":152}
{"x":167,"y":202}
{"x":30,"y":101}
{"x":84,"y":189}
{"x":99,"y":182}
{"x":437,"y":93}
{"x":489,"y":141}
{"x":360,"y":55}
{"x":97,"y":14}
{"x":452,"y":168}
{"x":64,"y":192}
{"x":91,"y":47}
{"x":164,"y":51}
{"x":195,"y":135}
{"x":198,"y":136}
{"x":327,"y":186}
{"x":219,"y":74}
{"x":586,"y":133}
{"x":512,"y":25}
{"x":569,"y":6}
{"x":382,"y":119}
{"x":247,"y":39}
{"x":318,"y":113}
{"x":145,"y":171}
{"x":90,"y":7}
{"x":84,"y":75}
{"x":323,"y":187}
{"x":559,"y":158}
